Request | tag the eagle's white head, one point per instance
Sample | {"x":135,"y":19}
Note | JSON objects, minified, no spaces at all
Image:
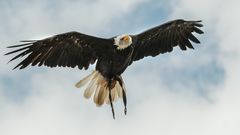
{"x":122,"y":41}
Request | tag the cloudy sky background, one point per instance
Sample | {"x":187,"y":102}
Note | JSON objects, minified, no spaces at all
{"x":184,"y":93}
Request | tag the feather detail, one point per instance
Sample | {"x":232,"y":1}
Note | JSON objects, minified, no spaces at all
{"x":90,"y":88}
{"x":85,"y":80}
{"x":95,"y":98}
{"x":118,"y":89}
{"x":114,"y":94}
{"x":103,"y":92}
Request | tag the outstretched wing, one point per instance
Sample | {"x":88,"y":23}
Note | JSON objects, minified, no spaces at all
{"x":67,"y":50}
{"x":163,"y":38}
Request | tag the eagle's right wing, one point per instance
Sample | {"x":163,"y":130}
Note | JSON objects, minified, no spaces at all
{"x":163,"y":38}
{"x":67,"y":50}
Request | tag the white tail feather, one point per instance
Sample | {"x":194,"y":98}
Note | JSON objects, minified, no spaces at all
{"x":119,"y":90}
{"x":95,"y":98}
{"x":90,"y":88}
{"x":98,"y":85}
{"x":85,"y":80}
{"x":101,"y":96}
{"x":89,"y":91}
{"x":114,"y":94}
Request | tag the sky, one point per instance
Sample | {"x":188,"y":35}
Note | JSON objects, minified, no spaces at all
{"x":184,"y":93}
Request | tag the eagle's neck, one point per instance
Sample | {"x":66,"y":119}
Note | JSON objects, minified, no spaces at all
{"x":123,"y":41}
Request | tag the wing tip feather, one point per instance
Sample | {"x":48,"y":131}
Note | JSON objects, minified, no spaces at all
{"x":13,"y":46}
{"x":28,"y":41}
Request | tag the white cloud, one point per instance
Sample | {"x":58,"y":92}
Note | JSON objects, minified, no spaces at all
{"x":221,"y":19}
{"x":54,"y":106}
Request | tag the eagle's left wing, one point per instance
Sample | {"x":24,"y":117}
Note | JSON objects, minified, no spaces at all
{"x":163,"y":38}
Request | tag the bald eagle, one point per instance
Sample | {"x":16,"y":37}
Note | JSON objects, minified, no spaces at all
{"x":113,"y":55}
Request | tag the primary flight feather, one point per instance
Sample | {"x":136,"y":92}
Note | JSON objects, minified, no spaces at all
{"x":113,"y":55}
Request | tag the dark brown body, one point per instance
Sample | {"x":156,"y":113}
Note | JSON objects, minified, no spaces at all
{"x":114,"y":63}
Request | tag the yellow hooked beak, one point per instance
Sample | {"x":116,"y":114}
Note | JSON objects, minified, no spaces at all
{"x":125,"y":38}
